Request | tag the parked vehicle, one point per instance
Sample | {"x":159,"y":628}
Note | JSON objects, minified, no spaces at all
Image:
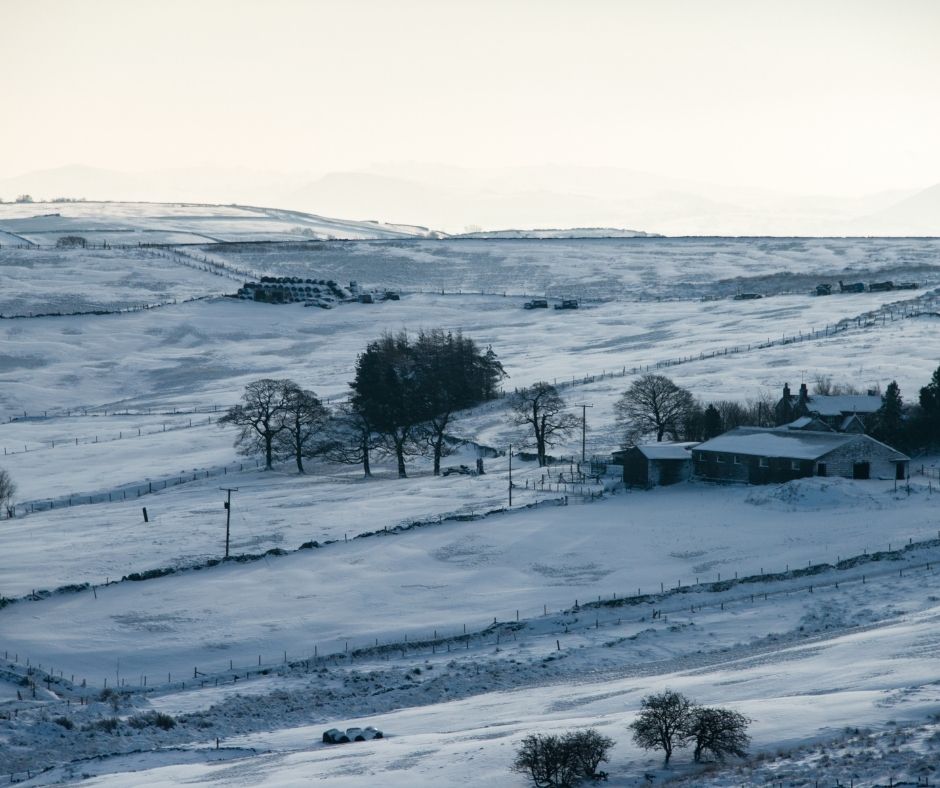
{"x":854,"y":287}
{"x":878,"y":287}
{"x":747,"y":296}
{"x":906,"y":286}
{"x":567,"y":303}
{"x":390,"y":295}
{"x":536,"y":303}
{"x":824,"y":290}
{"x":366,"y":298}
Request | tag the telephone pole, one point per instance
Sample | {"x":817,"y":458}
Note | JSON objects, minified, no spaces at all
{"x":510,"y":475}
{"x":228,"y":513}
{"x":584,"y":407}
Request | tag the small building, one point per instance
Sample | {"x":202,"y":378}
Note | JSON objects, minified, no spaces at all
{"x":655,"y":464}
{"x":763,"y":455}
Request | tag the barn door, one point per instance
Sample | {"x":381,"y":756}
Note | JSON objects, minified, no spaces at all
{"x":861,"y":470}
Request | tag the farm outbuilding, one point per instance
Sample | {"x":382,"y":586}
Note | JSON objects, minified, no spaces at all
{"x":760,"y":455}
{"x":655,"y":464}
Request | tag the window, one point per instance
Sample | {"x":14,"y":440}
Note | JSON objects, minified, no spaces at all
{"x":719,"y":458}
{"x":763,"y":462}
{"x":737,"y":459}
{"x":795,"y":465}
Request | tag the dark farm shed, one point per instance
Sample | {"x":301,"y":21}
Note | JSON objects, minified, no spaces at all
{"x":758,"y":455}
{"x":655,"y":464}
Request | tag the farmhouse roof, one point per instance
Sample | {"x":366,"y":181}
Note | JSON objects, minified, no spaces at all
{"x":790,"y":444}
{"x":840,"y":404}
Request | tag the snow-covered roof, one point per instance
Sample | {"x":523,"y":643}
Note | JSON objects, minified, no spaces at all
{"x":837,"y":404}
{"x":771,"y":442}
{"x":667,"y":451}
{"x":809,"y":423}
{"x":847,"y":422}
{"x":798,"y":424}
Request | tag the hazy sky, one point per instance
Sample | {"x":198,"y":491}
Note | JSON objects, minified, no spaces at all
{"x":825,"y":95}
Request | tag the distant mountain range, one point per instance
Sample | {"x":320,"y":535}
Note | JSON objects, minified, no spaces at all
{"x":460,"y":200}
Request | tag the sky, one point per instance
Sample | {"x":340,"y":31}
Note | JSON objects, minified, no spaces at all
{"x":829,"y":96}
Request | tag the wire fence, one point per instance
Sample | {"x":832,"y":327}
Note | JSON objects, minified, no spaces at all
{"x":128,"y":491}
{"x":584,"y":615}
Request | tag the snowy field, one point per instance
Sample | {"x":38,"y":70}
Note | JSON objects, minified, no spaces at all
{"x":605,"y":268}
{"x":130,"y":223}
{"x":202,"y":354}
{"x":44,"y":281}
{"x":108,"y":402}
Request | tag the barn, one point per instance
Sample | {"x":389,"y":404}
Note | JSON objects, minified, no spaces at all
{"x":757,"y":455}
{"x":655,"y":464}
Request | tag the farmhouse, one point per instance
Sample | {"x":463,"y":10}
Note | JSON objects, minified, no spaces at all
{"x":655,"y":464}
{"x":762,"y":455}
{"x":840,"y":412}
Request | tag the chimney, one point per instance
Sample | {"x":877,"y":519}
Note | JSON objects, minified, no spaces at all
{"x":804,"y":394}
{"x":786,"y":392}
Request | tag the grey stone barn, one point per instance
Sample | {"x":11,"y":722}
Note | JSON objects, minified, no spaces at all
{"x":655,"y":464}
{"x":757,"y":455}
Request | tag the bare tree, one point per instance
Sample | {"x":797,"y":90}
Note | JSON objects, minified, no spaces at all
{"x":260,"y":417}
{"x":351,"y":440}
{"x":304,"y":419}
{"x":542,"y":408}
{"x":664,"y":722}
{"x":562,"y":761}
{"x":822,"y":384}
{"x":7,"y":491}
{"x":653,"y":405}
{"x":719,"y":732}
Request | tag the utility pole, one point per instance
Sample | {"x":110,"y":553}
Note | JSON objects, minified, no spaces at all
{"x":510,"y":475}
{"x":228,"y":513}
{"x":584,"y":407}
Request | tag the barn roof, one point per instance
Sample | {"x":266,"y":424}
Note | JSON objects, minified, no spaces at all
{"x":768,"y":442}
{"x":667,"y":451}
{"x":785,"y":443}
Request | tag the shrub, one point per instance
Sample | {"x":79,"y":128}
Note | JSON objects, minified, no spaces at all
{"x":152,"y":719}
{"x":663,"y":722}
{"x":108,"y":724}
{"x":588,"y":749}
{"x":719,"y":732}
{"x":562,"y":761}
{"x":65,"y":722}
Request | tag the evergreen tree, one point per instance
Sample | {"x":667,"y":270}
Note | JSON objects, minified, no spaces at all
{"x":713,"y":422}
{"x":889,"y":424}
{"x":386,"y":393}
{"x":930,"y":410}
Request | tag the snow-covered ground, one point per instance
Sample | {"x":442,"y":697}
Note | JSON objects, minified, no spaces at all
{"x":605,"y":268}
{"x":133,"y":223}
{"x":204,"y":353}
{"x":109,"y":405}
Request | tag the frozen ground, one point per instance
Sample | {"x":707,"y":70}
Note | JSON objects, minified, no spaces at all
{"x":108,"y":401}
{"x":133,"y":223}
{"x":203,"y":353}
{"x":604,"y":268}
{"x":43,"y":281}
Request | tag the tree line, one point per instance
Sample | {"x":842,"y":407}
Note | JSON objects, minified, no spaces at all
{"x":667,"y":721}
{"x":654,"y":407}
{"x":403,"y":400}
